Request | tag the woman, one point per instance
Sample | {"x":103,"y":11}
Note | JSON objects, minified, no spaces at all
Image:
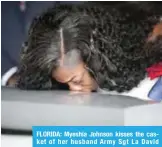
{"x":86,"y":48}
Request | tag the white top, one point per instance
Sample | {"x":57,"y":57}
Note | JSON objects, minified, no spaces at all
{"x":141,"y":91}
{"x":8,"y":75}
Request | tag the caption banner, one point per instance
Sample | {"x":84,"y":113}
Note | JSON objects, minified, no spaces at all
{"x":53,"y":136}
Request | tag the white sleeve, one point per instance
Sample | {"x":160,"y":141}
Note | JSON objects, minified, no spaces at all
{"x":8,"y":75}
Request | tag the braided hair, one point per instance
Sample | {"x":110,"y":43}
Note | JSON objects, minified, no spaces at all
{"x":112,"y":43}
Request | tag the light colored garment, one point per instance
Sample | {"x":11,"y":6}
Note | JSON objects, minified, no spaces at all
{"x":141,"y":91}
{"x":156,"y":91}
{"x":8,"y":75}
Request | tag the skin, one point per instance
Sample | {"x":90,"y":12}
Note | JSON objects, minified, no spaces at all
{"x":157,"y":31}
{"x":77,"y":77}
{"x":12,"y":81}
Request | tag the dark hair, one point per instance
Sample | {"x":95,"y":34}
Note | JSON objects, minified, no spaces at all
{"x":111,"y":42}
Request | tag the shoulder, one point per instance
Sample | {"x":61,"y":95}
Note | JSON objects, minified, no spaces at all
{"x":141,"y":91}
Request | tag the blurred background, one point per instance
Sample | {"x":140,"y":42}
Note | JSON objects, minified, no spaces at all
{"x":16,"y":17}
